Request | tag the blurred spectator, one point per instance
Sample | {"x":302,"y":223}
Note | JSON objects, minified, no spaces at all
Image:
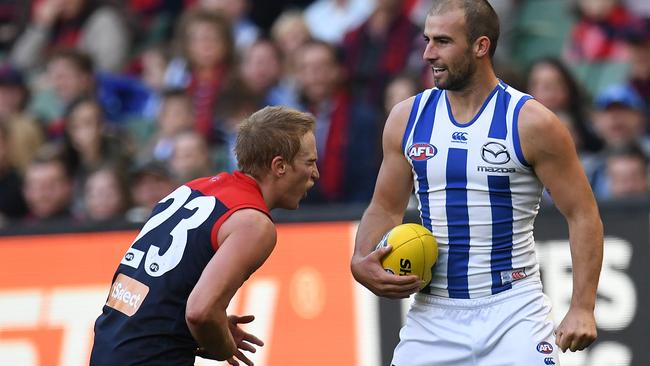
{"x":627,"y":173}
{"x":619,"y":120}
{"x":106,"y":194}
{"x":244,"y":31}
{"x":48,"y":187}
{"x":400,"y":88}
{"x":150,"y":182}
{"x":190,"y":158}
{"x":14,"y":15}
{"x":344,"y":133}
{"x":152,"y":21}
{"x":176,"y":115}
{"x":235,"y":105}
{"x":638,"y":46}
{"x":88,"y":25}
{"x":290,"y":32}
{"x":12,"y":202}
{"x":329,"y":20}
{"x":550,"y":82}
{"x":154,"y":60}
{"x":71,"y":75}
{"x":383,"y":47}
{"x":205,"y":69}
{"x":149,"y":68}
{"x":261,"y":71}
{"x":599,"y":30}
{"x":320,"y":77}
{"x":88,"y":145}
{"x":24,"y":133}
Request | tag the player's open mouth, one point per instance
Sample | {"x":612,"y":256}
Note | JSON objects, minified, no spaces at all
{"x":437,"y":71}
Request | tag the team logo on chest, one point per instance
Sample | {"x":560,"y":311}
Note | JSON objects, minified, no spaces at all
{"x":459,"y":137}
{"x":495,"y":153}
{"x":421,"y":151}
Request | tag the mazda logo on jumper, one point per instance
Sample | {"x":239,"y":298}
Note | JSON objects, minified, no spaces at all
{"x":495,"y":153}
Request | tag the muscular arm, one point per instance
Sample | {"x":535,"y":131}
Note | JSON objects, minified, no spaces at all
{"x":548,"y":147}
{"x":386,"y":210}
{"x":246,"y":240}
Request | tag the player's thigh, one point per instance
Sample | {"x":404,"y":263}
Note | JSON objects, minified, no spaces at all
{"x":524,"y":337}
{"x":431,"y":337}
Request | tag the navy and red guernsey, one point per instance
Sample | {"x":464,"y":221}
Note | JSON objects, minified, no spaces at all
{"x":143,"y":320}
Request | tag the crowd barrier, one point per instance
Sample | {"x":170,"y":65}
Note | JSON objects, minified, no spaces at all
{"x":308,"y":308}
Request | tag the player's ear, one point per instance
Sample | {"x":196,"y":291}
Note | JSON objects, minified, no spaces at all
{"x":278,"y":166}
{"x":482,"y":46}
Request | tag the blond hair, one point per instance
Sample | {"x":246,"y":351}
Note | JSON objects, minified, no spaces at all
{"x":270,"y":132}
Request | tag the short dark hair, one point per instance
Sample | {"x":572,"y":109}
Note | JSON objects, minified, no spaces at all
{"x":80,"y":60}
{"x":632,"y":150}
{"x":270,"y":132}
{"x":169,"y":93}
{"x":480,"y":19}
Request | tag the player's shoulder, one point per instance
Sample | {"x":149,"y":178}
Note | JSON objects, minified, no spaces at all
{"x":398,"y":117}
{"x":250,"y":220}
{"x":541,"y":131}
{"x":535,"y":118}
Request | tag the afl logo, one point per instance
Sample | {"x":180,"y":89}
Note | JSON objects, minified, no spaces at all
{"x":422,"y":151}
{"x":495,"y":153}
{"x":544,"y":347}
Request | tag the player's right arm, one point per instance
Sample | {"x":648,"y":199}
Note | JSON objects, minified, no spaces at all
{"x":386,"y":210}
{"x":246,"y":239}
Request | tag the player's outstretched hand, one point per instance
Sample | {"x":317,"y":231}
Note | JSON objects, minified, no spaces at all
{"x":243,"y":340}
{"x":576,"y":331}
{"x":369,"y":272}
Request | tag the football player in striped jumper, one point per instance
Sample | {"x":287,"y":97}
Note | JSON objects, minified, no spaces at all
{"x":478,"y":153}
{"x":168,"y":300}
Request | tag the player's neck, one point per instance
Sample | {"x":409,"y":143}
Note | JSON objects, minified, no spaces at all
{"x":267,"y":191}
{"x":467,"y":102}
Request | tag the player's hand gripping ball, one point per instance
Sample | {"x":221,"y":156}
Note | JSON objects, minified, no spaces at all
{"x":414,"y":251}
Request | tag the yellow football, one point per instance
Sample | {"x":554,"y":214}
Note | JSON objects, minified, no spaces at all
{"x":414,"y":251}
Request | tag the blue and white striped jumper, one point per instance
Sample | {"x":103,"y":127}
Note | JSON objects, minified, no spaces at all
{"x":476,"y":193}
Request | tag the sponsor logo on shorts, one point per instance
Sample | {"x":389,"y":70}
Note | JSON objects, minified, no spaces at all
{"x":127,"y":294}
{"x":513,"y":275}
{"x":549,"y":361}
{"x":545,"y":348}
{"x":421,"y":151}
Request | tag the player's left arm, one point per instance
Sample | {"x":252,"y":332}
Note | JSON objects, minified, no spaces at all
{"x":549,"y":149}
{"x":246,"y":239}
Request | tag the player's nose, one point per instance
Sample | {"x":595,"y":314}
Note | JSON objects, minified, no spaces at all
{"x":430,"y":54}
{"x":315,"y":175}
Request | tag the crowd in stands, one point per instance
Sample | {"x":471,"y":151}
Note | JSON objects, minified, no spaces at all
{"x":106,"y":106}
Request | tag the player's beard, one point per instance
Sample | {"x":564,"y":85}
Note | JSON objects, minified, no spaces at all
{"x":459,"y":75}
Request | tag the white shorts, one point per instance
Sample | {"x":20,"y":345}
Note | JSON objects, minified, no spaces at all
{"x":512,"y":328}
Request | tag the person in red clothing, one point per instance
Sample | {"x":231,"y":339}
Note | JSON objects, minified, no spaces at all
{"x":205,"y":66}
{"x":168,"y":299}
